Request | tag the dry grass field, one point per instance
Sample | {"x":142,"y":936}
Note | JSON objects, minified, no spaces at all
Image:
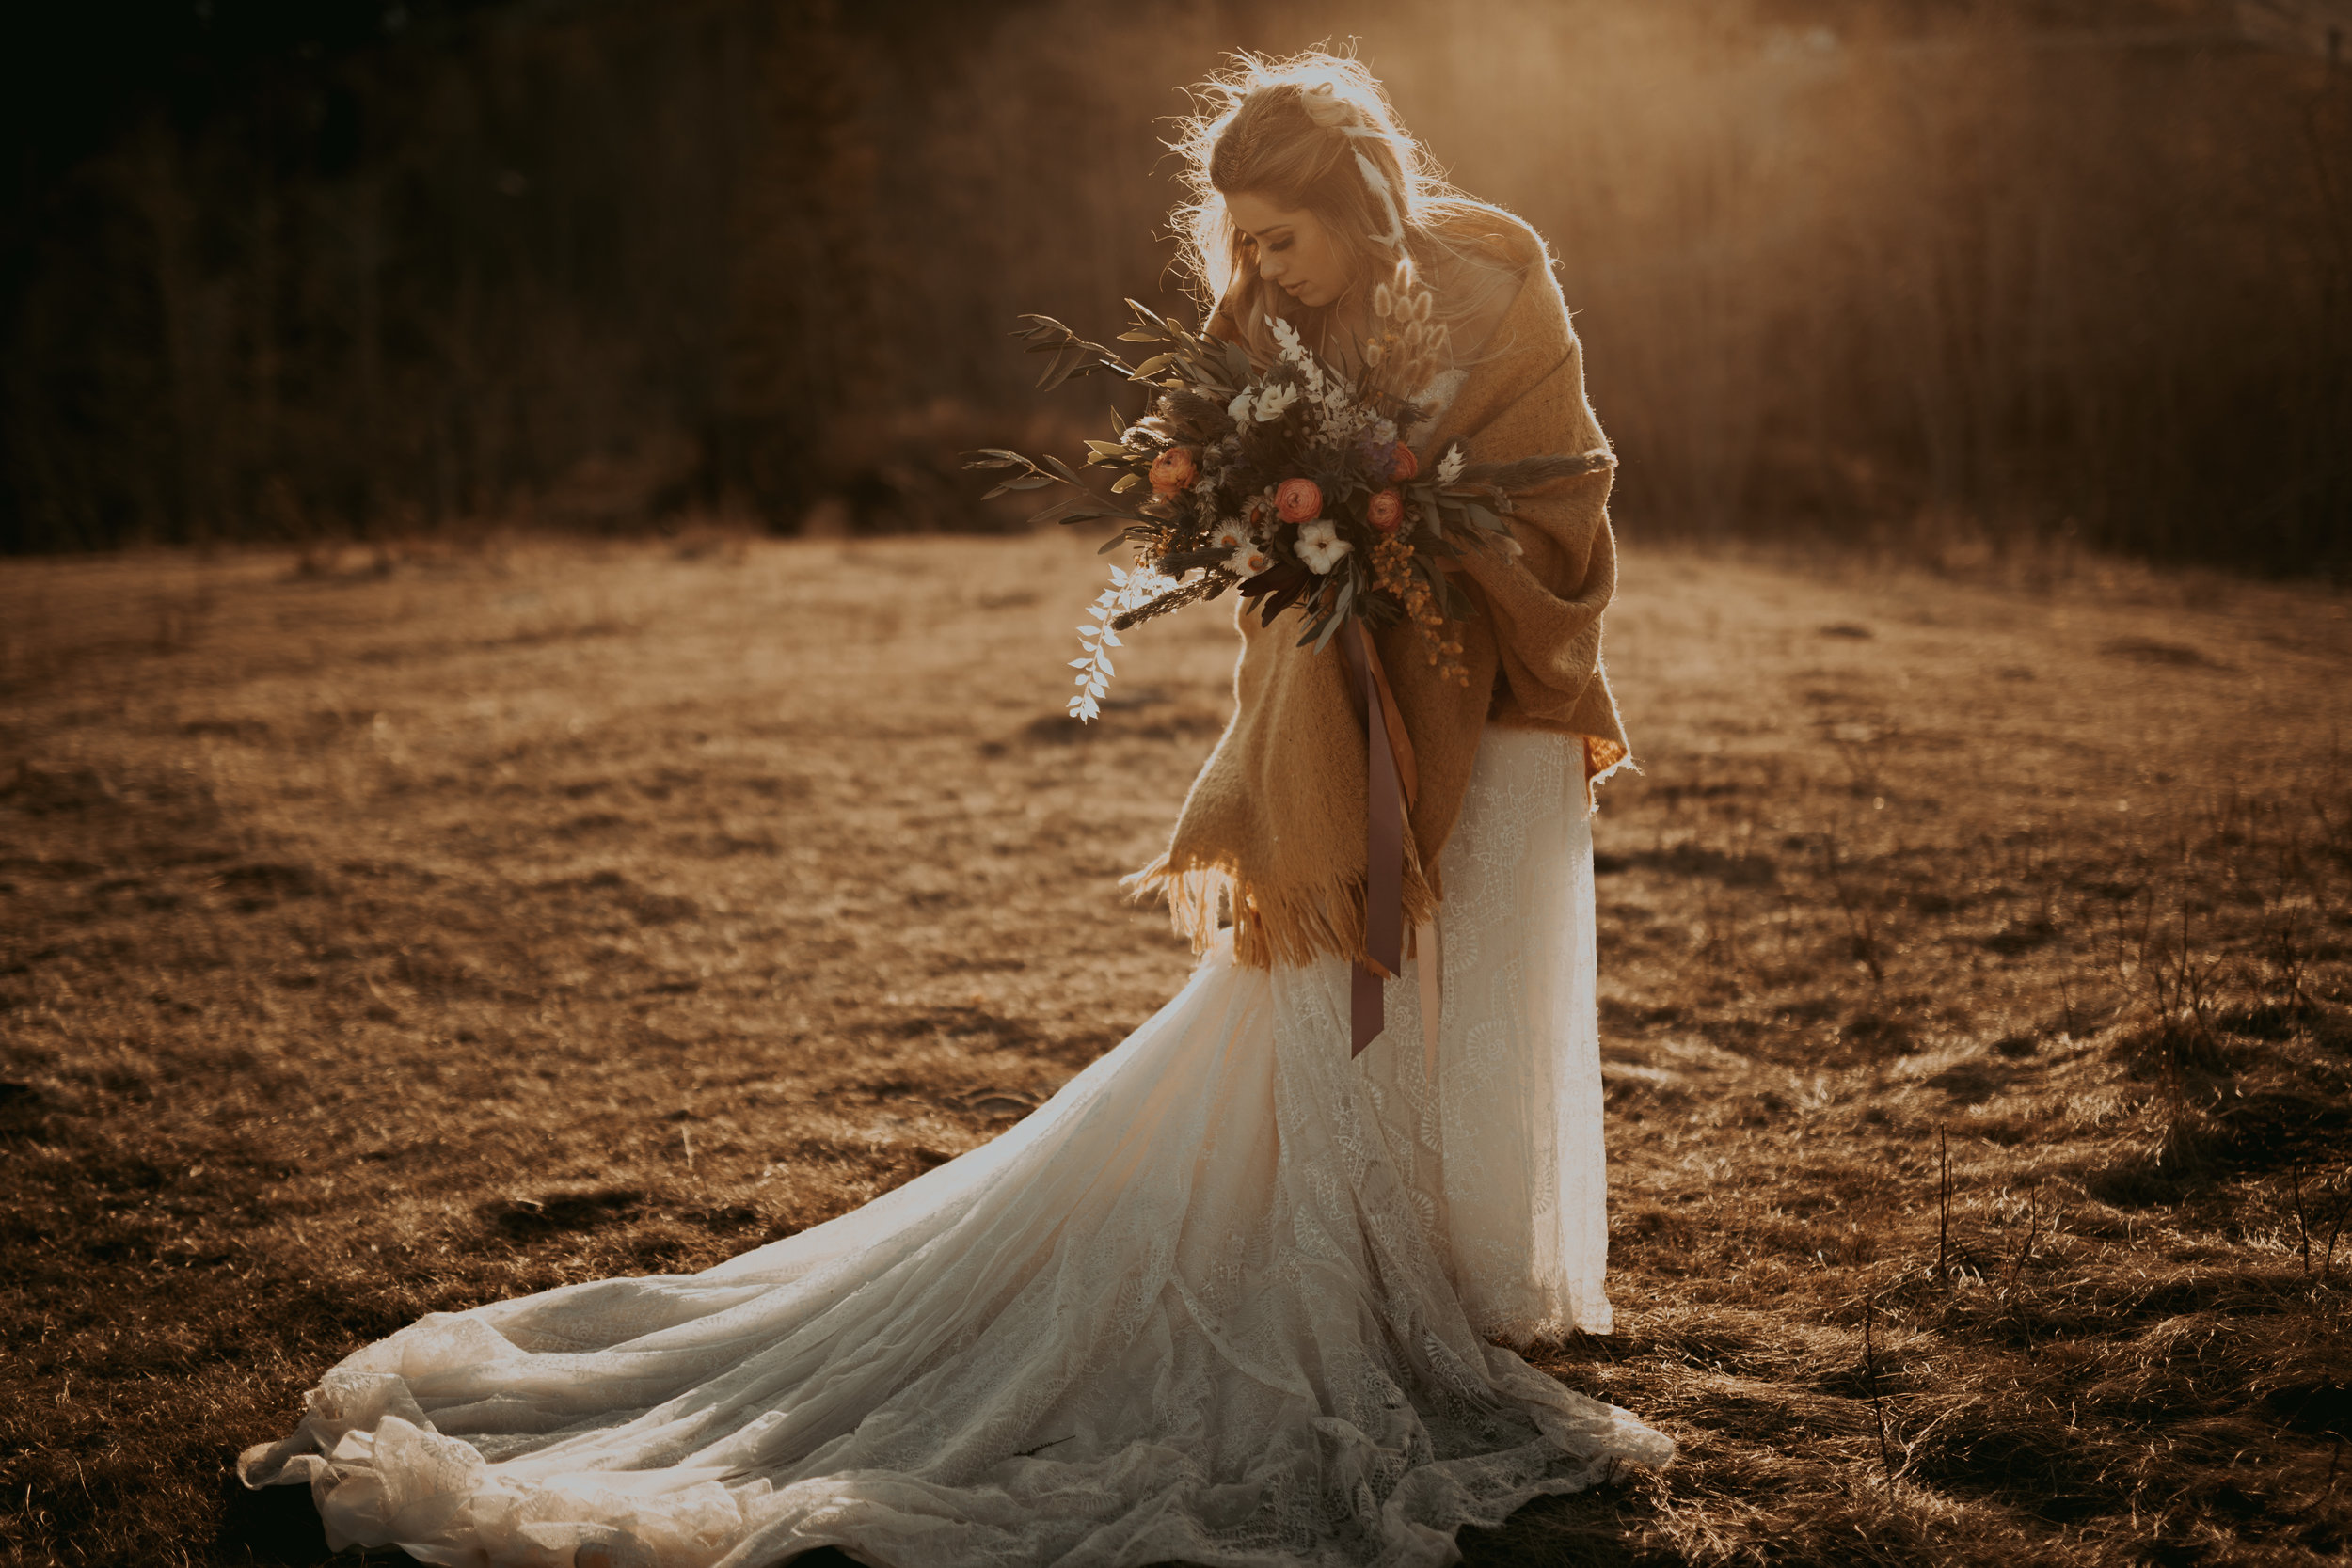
{"x":399,"y":930}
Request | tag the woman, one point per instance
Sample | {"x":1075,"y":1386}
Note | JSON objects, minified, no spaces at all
{"x":1228,"y":1296}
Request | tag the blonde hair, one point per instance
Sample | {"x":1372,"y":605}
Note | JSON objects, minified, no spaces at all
{"x":1312,"y":131}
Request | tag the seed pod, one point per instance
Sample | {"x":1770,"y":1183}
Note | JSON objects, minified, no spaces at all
{"x":1383,"y":301}
{"x":1415,"y":334}
{"x":1422,"y":306}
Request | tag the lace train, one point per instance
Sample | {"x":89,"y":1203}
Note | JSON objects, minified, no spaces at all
{"x":1223,"y":1299}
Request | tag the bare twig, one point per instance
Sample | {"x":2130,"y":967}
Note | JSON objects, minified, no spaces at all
{"x":2033,"y":1218}
{"x":2327,"y":1261}
{"x":1943,"y":1208}
{"x":1878,"y":1405}
{"x":1859,"y":927}
{"x":2303,"y":1226}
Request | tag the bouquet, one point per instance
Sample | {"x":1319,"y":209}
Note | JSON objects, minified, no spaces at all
{"x":1287,"y":481}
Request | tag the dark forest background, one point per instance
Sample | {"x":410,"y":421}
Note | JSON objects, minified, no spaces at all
{"x":2018,"y":272}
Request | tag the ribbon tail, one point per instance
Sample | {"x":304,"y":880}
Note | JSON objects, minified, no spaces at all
{"x":1384,"y":858}
{"x":1366,"y":1011}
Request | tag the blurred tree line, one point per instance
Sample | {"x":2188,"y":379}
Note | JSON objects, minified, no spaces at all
{"x":2023,"y":269}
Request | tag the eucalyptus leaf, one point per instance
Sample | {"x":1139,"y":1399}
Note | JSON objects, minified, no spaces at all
{"x":1086,"y":508}
{"x":1339,"y":614}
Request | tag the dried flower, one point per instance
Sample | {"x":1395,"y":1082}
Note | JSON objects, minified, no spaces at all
{"x":1392,"y":574}
{"x":1174,"y":470}
{"x":1402,"y":465}
{"x":1385,"y":511}
{"x":1248,"y":561}
{"x":1297,"y":499}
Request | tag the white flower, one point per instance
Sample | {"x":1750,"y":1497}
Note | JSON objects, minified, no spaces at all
{"x":1322,"y":557}
{"x":1320,"y":545}
{"x":1238,"y":410}
{"x":1450,"y":467}
{"x":1274,"y":402}
{"x":1230,"y":536}
{"x":1248,"y":561}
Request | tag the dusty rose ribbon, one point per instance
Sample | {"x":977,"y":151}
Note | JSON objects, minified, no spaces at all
{"x":1392,"y":783}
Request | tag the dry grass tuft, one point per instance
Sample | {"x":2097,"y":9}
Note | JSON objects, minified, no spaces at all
{"x":391,"y":935}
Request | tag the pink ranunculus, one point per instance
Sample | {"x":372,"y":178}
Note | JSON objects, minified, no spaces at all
{"x":1402,"y":465}
{"x":1299,"y":501}
{"x":1173,"y":471}
{"x":1385,"y":511}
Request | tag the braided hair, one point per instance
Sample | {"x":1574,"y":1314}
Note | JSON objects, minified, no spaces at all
{"x":1312,"y":131}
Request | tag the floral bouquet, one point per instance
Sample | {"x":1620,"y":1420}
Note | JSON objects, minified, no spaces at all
{"x":1285,"y":481}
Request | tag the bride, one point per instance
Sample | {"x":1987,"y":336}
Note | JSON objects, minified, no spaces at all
{"x":1232,"y":1295}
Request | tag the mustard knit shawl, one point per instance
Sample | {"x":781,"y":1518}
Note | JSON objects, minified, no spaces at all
{"x":1272,"y":834}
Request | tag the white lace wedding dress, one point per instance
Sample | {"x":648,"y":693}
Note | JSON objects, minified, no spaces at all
{"x":1225,"y":1299}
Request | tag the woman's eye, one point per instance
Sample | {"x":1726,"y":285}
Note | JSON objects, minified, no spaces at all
{"x":1284,"y":245}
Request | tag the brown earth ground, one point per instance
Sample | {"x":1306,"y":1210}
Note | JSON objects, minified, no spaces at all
{"x":396,"y":931}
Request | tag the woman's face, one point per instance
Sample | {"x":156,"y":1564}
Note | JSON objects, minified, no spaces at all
{"x":1293,"y":250}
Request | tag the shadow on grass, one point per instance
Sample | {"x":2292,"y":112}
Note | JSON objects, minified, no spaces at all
{"x":277,"y":1525}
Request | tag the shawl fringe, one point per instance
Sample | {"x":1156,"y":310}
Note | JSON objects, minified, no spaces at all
{"x":1271,"y":925}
